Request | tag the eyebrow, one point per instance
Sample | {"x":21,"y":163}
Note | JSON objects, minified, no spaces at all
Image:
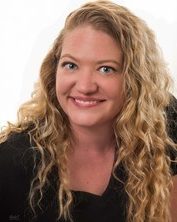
{"x":99,"y":62}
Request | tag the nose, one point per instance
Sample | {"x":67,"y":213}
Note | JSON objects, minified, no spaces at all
{"x":86,"y":82}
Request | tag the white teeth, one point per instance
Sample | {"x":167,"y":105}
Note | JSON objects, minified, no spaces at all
{"x":85,"y":102}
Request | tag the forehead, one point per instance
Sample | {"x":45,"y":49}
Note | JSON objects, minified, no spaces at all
{"x":85,"y":41}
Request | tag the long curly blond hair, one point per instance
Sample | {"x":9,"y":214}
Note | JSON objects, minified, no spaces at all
{"x":140,"y":127}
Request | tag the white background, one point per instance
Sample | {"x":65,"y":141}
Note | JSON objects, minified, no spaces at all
{"x":29,"y":27}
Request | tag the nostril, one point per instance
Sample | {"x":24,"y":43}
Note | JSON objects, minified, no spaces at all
{"x":87,"y":87}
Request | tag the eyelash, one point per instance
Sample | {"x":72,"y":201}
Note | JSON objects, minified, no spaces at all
{"x":108,"y":68}
{"x":64,"y":64}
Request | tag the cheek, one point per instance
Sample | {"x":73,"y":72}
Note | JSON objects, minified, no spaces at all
{"x":58,"y":84}
{"x":115,"y":89}
{"x":62,"y":84}
{"x":60,"y":91}
{"x":116,"y":94}
{"x":60,"y":87}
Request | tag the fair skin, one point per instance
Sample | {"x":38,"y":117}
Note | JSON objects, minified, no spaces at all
{"x":91,"y":99}
{"x":89,"y":85}
{"x":173,"y":205}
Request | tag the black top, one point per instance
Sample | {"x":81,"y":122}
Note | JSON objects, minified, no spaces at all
{"x":17,"y":170}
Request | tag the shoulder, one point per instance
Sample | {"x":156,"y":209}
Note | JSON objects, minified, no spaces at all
{"x":16,"y":158}
{"x":13,"y":150}
{"x":16,"y":173}
{"x":16,"y":142}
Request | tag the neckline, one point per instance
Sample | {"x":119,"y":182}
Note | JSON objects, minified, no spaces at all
{"x":89,"y":194}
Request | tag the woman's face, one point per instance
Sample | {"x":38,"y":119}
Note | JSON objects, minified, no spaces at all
{"x":89,"y":79}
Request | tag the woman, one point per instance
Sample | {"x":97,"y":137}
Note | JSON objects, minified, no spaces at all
{"x":97,"y":140}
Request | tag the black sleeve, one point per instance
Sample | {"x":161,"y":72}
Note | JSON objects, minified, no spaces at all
{"x":15,"y":156}
{"x":171,"y":112}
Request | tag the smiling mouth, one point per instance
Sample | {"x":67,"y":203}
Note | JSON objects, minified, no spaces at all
{"x":86,"y":102}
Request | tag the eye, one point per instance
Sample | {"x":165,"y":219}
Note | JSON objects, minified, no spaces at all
{"x":107,"y":69}
{"x":69,"y":65}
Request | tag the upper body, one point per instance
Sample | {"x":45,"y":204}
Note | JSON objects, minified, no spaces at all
{"x":97,"y":140}
{"x":17,"y":159}
{"x":16,"y":173}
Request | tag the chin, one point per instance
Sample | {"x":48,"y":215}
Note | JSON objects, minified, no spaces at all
{"x":84,"y":123}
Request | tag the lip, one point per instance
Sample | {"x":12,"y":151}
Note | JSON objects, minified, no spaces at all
{"x":86,"y":101}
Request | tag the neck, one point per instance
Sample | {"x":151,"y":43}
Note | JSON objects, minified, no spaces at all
{"x":99,"y":139}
